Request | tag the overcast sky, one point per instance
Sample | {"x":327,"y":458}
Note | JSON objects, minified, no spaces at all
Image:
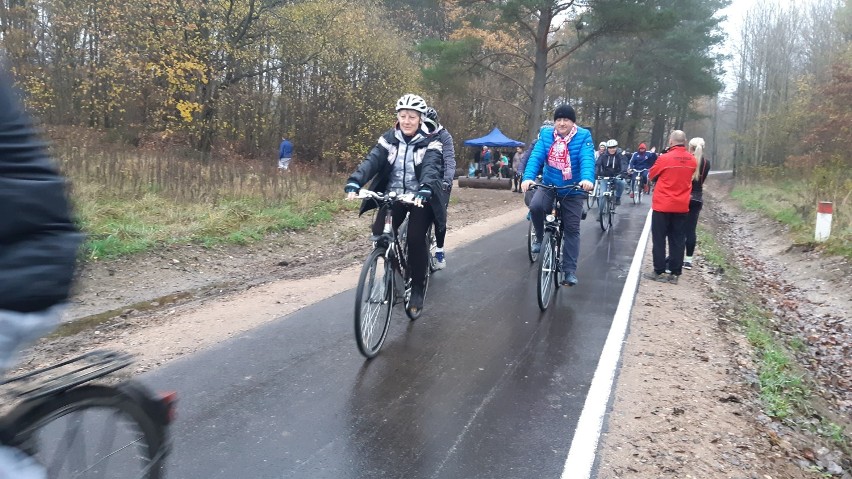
{"x":735,"y":13}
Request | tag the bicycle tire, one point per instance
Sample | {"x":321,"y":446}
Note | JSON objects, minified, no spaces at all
{"x":433,"y":245}
{"x":34,"y":425}
{"x":611,"y":210}
{"x":546,"y":272}
{"x":603,"y":213}
{"x":530,"y":240}
{"x":635,"y":188}
{"x":592,"y":196}
{"x":367,"y":319}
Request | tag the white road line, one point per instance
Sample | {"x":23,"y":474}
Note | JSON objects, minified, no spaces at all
{"x":581,"y":455}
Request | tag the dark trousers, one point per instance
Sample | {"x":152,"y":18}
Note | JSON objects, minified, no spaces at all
{"x":418,"y":222}
{"x":572,"y":213}
{"x":668,"y":227}
{"x":691,"y":225}
{"x":441,"y":230}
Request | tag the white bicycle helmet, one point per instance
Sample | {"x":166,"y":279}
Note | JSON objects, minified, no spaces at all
{"x":603,"y":143}
{"x":611,"y":144}
{"x":410,"y":101}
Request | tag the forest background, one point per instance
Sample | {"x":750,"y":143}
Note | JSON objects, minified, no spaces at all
{"x":166,"y":114}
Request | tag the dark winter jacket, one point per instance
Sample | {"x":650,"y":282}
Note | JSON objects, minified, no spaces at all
{"x":698,"y":186}
{"x":427,"y":157}
{"x":609,"y":165}
{"x":642,"y":161}
{"x":38,"y":240}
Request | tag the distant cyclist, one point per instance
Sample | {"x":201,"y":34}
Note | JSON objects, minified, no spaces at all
{"x":609,"y":165}
{"x":601,"y":150}
{"x":449,"y":156}
{"x":642,"y":160}
{"x":406,"y":160}
{"x":565,"y":156}
{"x":38,"y":247}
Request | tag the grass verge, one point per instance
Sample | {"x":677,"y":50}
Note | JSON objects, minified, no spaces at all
{"x":784,"y":387}
{"x":791,"y":204}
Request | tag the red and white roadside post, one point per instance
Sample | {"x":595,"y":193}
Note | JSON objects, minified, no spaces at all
{"x":823,"y":221}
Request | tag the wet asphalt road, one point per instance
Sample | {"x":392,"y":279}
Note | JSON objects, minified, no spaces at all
{"x":483,"y":385}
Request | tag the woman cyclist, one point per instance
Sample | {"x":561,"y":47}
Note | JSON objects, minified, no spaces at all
{"x":437,"y":130}
{"x":406,"y":160}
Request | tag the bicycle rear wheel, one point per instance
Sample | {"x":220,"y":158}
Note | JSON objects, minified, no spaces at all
{"x":373,"y":303}
{"x":546,"y":272}
{"x":93,"y":431}
{"x":603,"y":213}
{"x":530,"y":240}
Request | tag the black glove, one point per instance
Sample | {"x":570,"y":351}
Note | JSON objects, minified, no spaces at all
{"x":424,"y":194}
{"x":351,"y":188}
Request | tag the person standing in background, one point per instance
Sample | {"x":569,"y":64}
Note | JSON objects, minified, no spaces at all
{"x":673,"y":173}
{"x":285,"y":154}
{"x":516,"y":172}
{"x":696,"y":147}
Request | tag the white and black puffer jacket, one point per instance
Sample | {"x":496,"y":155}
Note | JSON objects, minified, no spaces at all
{"x":404,"y":167}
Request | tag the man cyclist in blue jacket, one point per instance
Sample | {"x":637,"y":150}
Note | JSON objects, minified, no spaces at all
{"x":565,"y":156}
{"x":641,"y":160}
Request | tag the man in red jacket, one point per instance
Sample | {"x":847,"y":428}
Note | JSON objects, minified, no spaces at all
{"x":673,"y":173}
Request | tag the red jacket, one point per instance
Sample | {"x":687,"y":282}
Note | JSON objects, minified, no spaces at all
{"x":673,"y":173}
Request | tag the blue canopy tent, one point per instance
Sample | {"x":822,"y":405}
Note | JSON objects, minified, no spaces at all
{"x":494,"y":139}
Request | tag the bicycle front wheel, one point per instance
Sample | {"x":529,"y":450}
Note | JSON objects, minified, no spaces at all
{"x":373,"y":303}
{"x":611,"y":210}
{"x":546,"y":271}
{"x":603,"y":213}
{"x":530,"y":240}
{"x":636,"y":189}
{"x":92,"y":431}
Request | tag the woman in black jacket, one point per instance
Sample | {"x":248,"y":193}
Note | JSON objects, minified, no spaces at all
{"x":406,"y":160}
{"x":696,"y":200}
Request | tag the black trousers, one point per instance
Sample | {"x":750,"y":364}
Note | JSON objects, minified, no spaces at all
{"x":418,"y":223}
{"x":691,"y":225}
{"x":668,"y":227}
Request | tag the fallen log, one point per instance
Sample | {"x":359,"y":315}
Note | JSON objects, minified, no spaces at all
{"x":493,"y":183}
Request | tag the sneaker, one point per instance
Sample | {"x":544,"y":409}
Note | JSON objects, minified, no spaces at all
{"x":673,"y":278}
{"x":569,"y":279}
{"x":536,"y":247}
{"x":617,"y":201}
{"x":687,"y":265}
{"x":662,"y":278}
{"x":440,"y":260}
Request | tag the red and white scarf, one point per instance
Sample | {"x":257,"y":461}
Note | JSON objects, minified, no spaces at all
{"x":558,"y":157}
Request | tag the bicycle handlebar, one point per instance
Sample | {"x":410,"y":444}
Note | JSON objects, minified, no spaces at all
{"x":386,"y":197}
{"x":550,"y":187}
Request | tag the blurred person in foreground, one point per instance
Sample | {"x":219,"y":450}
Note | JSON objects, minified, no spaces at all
{"x":38,"y":247}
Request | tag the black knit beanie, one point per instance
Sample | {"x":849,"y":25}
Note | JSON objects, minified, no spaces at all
{"x":565,"y":111}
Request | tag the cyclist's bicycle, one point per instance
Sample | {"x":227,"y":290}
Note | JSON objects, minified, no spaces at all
{"x":606,"y":203}
{"x":635,"y":186}
{"x":531,"y":238}
{"x":74,"y":428}
{"x":592,"y":198}
{"x":385,"y":278}
{"x":550,"y":257}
